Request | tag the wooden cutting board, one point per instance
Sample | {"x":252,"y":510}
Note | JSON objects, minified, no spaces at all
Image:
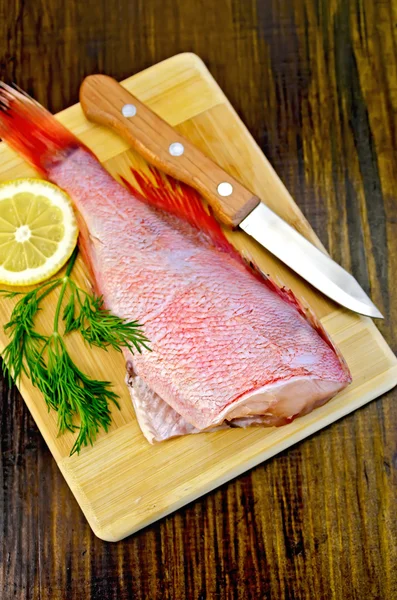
{"x":122,"y":483}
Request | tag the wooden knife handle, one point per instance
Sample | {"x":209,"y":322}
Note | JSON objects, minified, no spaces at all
{"x":106,"y":102}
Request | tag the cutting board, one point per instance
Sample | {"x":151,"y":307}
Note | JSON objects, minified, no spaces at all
{"x":122,"y":483}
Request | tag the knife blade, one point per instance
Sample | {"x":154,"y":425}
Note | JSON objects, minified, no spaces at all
{"x":106,"y":102}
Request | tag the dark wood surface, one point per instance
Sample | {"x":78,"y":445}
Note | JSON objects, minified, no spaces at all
{"x":316,"y":83}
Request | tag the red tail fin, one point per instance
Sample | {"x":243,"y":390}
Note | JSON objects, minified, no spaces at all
{"x":32,"y":131}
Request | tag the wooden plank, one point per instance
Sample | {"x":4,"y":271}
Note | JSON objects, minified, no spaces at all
{"x":117,"y":482}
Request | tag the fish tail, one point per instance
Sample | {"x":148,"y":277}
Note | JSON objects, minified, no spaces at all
{"x":32,"y":131}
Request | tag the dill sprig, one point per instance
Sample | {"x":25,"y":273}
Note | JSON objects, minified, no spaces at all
{"x":98,"y":326}
{"x":46,"y":361}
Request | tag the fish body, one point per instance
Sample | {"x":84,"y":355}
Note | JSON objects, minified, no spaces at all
{"x":224,"y":344}
{"x":227,"y":346}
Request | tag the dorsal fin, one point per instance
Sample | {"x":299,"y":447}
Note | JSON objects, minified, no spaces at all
{"x":179,"y":199}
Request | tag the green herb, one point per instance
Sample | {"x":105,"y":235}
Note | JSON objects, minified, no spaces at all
{"x":46,"y":361}
{"x":98,"y":326}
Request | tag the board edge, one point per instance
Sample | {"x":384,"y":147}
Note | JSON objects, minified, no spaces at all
{"x":117,"y":532}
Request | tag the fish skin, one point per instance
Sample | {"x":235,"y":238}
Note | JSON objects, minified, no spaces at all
{"x":217,"y":333}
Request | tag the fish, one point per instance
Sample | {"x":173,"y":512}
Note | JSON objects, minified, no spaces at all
{"x":228,"y":347}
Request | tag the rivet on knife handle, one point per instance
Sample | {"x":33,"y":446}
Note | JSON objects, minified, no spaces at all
{"x":106,"y":102}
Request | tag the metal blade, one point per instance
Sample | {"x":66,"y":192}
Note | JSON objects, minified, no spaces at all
{"x":309,"y":262}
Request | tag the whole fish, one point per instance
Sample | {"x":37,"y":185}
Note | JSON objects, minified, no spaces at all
{"x":228,"y":346}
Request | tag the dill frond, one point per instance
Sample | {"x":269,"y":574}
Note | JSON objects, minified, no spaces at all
{"x":45,"y":360}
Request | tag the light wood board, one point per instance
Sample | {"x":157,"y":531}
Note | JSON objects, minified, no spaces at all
{"x":122,"y":483}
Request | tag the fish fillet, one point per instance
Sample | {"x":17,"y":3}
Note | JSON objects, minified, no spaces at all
{"x":225,"y":345}
{"x":228,"y":347}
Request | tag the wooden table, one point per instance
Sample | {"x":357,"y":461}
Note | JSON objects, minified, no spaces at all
{"x":316,"y":83}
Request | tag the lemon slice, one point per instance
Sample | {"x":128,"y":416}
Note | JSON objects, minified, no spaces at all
{"x":38,"y":231}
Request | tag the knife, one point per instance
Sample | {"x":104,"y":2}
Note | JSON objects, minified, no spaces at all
{"x":106,"y":102}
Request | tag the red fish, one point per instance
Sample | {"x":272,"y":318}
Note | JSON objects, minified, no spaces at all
{"x":228,"y":346}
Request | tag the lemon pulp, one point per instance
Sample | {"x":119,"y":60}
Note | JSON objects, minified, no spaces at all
{"x":38,"y":231}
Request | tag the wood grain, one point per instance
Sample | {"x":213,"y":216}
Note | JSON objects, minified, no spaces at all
{"x":315,"y":82}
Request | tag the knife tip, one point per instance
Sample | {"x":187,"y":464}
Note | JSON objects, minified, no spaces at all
{"x":374,"y":313}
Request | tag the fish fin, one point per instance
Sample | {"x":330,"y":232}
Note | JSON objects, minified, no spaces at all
{"x":172,"y":196}
{"x":32,"y":131}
